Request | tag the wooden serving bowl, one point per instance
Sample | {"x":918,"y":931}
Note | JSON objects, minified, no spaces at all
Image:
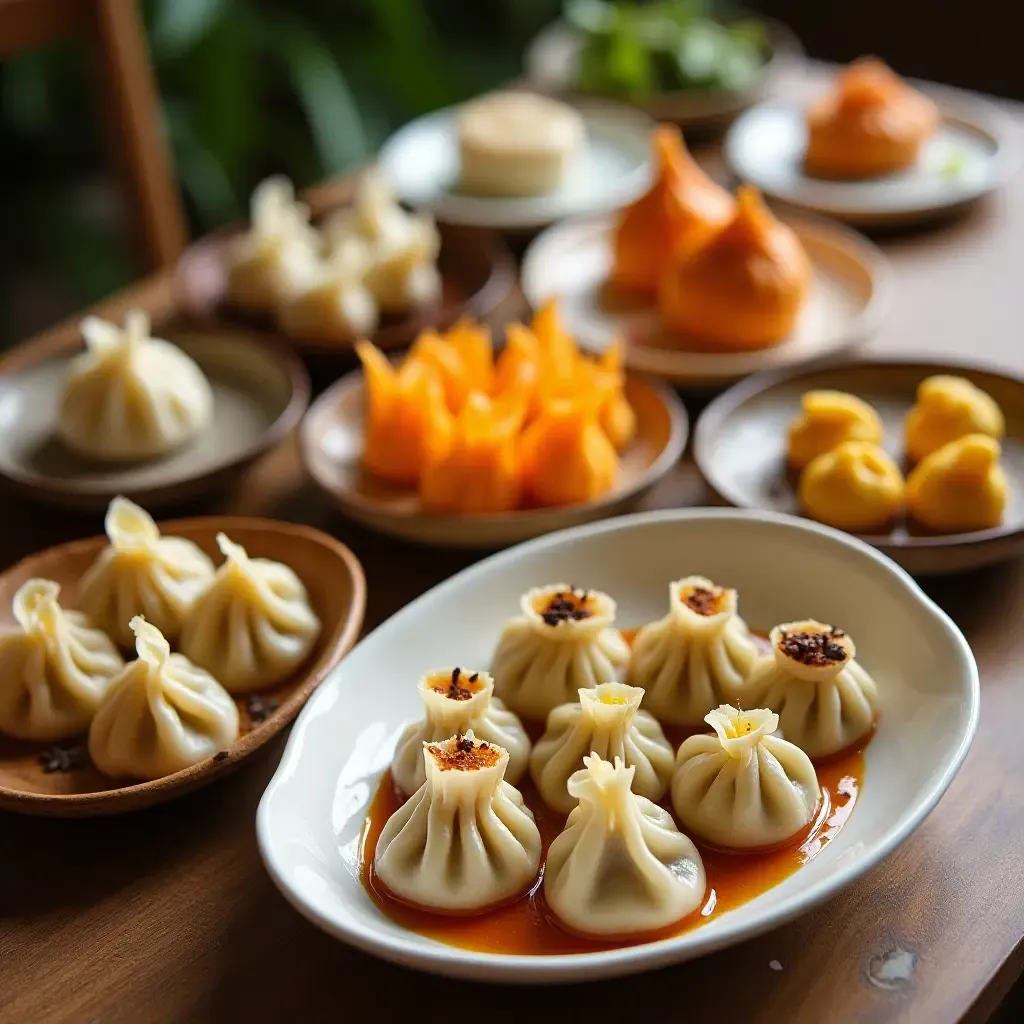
{"x":337,"y":591}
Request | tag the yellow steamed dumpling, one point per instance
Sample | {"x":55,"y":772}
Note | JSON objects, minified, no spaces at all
{"x":949,"y":408}
{"x":960,"y":487}
{"x":827,"y":419}
{"x":855,"y":487}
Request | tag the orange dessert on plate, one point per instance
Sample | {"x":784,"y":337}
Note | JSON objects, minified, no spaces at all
{"x":948,"y":408}
{"x":677,"y":214}
{"x":871,"y":123}
{"x":827,"y":419}
{"x":743,"y":290}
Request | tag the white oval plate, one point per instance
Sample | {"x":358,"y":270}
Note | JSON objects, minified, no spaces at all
{"x":310,"y":817}
{"x":970,"y":155}
{"x":848,"y":299}
{"x":421,"y":161}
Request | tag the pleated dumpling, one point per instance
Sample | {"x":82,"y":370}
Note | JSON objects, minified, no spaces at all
{"x":621,"y":866}
{"x":141,"y":573}
{"x":253,"y":625}
{"x":742,"y":787}
{"x":696,"y":657}
{"x":161,"y":715}
{"x":464,"y":841}
{"x":565,"y":640}
{"x":606,"y":721}
{"x":130,"y":395}
{"x":825,"y":700}
{"x":458,"y":701}
{"x":54,"y":669}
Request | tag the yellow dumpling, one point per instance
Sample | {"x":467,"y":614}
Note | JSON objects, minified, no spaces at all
{"x":829,"y":418}
{"x":855,"y":487}
{"x":948,"y":408}
{"x":960,"y":487}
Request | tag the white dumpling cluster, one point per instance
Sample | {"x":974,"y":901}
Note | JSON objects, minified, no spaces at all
{"x":131,"y":396}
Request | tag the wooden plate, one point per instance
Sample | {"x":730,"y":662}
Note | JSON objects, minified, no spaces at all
{"x":740,"y":447}
{"x":337,"y":591}
{"x":260,"y":391}
{"x":332,"y":442}
{"x":573,"y":260}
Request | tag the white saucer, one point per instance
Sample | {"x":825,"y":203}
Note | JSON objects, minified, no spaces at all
{"x":421,"y":162}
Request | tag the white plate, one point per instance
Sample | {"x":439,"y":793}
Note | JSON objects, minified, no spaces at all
{"x":848,"y":298}
{"x":309,"y":819}
{"x":421,"y":161}
{"x":970,"y":155}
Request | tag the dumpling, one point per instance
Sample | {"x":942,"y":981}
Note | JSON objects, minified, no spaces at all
{"x":403,"y":274}
{"x":856,"y":486}
{"x":825,"y":701}
{"x":517,"y":369}
{"x":131,"y":396}
{"x":826,"y":420}
{"x":252,"y":626}
{"x":621,"y":866}
{"x":458,"y":701}
{"x":464,"y":841}
{"x":948,"y":408}
{"x":564,"y":641}
{"x":959,"y":488}
{"x":162,"y":714}
{"x":743,"y":787}
{"x":745,"y":289}
{"x":696,"y":657}
{"x":142,"y":573}
{"x":606,"y":721}
{"x":54,"y":670}
{"x":617,"y":417}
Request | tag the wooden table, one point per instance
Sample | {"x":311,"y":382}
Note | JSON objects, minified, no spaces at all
{"x":168,"y":915}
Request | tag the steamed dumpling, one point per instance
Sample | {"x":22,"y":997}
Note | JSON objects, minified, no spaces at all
{"x":54,"y":670}
{"x":161,"y":715}
{"x":564,"y":641}
{"x":827,"y":419}
{"x":696,"y":657}
{"x":606,"y":721}
{"x":131,"y":396}
{"x":825,"y":700}
{"x":621,"y":866}
{"x":464,"y":841}
{"x":948,"y":408}
{"x":743,"y":787}
{"x":252,"y":626}
{"x":142,"y":573}
{"x":458,"y":701}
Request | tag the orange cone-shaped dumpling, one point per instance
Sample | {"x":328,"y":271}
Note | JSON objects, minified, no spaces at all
{"x":408,"y":425}
{"x":433,"y":351}
{"x":617,"y":417}
{"x":518,"y":367}
{"x":472,"y":342}
{"x":871,"y":123}
{"x":677,"y":214}
{"x":745,"y":288}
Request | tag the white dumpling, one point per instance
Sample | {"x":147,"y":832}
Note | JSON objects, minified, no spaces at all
{"x":621,"y":866}
{"x":564,"y":641}
{"x":403,"y":273}
{"x":161,"y":715}
{"x":457,"y":701}
{"x":142,"y":573}
{"x":464,"y":841}
{"x":253,"y":625}
{"x":130,"y":395}
{"x":54,"y":670}
{"x":742,"y":787}
{"x":606,"y":721}
{"x":696,"y":657}
{"x":825,"y":700}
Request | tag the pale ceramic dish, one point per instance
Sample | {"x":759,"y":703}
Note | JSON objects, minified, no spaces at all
{"x":573,"y":261}
{"x":310,"y":817}
{"x":421,"y":162}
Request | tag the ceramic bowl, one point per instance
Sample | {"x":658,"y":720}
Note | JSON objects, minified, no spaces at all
{"x":310,"y":817}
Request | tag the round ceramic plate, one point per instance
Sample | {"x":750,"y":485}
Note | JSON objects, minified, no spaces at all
{"x":337,"y":591}
{"x":310,"y":818}
{"x":421,"y":162}
{"x":971,"y":155}
{"x":848,"y":298}
{"x":260,"y":390}
{"x":332,"y":443}
{"x":740,"y":447}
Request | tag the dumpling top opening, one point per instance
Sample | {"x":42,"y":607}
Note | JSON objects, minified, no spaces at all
{"x":35,"y":606}
{"x":811,"y":649}
{"x":464,"y":754}
{"x":457,"y":684}
{"x":562,"y":603}
{"x":740,"y":731}
{"x":705,"y":600}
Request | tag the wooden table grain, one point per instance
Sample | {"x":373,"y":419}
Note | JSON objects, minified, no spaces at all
{"x":168,"y":915}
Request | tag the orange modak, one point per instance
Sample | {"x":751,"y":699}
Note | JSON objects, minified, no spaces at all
{"x":871,"y":123}
{"x":677,"y":214}
{"x":827,"y":419}
{"x":743,"y":290}
{"x":855,"y":486}
{"x":948,"y":408}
